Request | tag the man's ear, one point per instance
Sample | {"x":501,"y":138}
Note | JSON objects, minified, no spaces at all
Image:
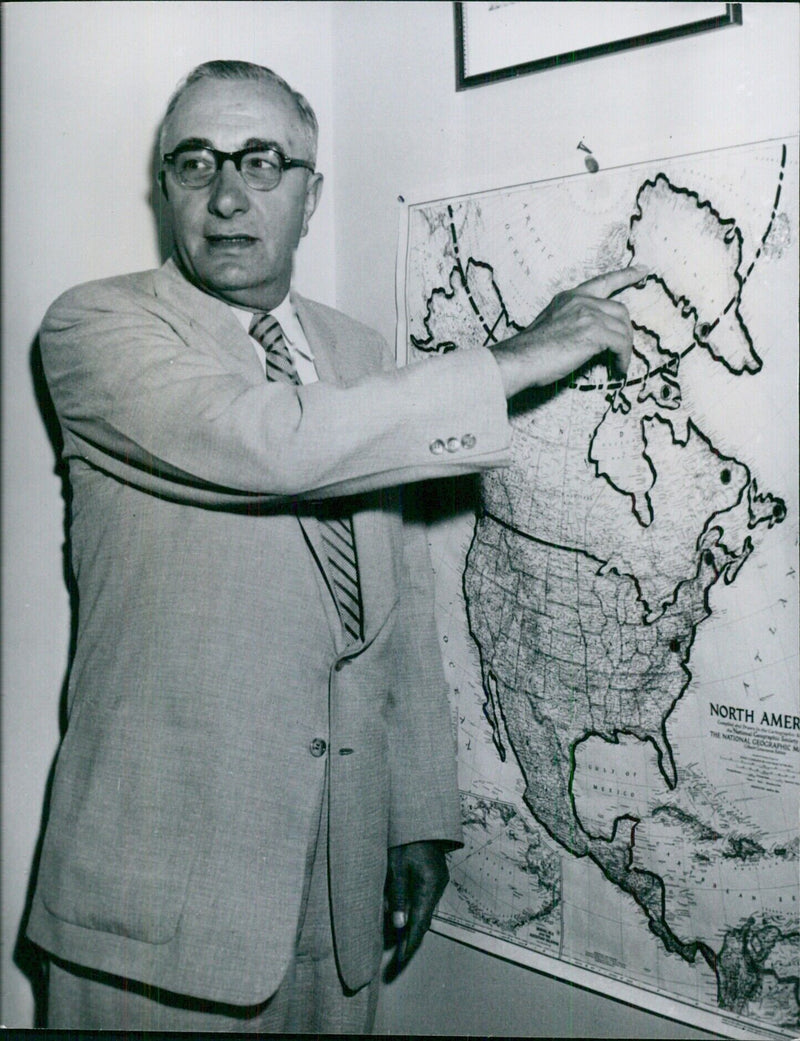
{"x":313,"y":193}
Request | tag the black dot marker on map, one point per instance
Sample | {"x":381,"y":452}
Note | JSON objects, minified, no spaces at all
{"x":591,"y":164}
{"x":702,"y":330}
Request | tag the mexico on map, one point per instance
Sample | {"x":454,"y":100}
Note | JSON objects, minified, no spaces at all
{"x":618,"y":608}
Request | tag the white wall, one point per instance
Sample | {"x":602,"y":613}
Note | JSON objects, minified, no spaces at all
{"x":401,"y":129}
{"x":85,"y":85}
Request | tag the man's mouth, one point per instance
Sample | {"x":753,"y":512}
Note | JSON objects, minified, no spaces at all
{"x":230,"y":241}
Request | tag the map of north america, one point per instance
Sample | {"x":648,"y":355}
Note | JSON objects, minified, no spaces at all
{"x":594,"y":605}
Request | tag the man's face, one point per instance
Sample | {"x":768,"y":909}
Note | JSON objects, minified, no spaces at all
{"x":235,"y":242}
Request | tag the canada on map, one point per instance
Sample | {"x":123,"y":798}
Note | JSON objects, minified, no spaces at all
{"x":618,"y":607}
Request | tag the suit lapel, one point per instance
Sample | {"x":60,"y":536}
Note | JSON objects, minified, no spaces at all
{"x":335,"y":363}
{"x":214,"y":321}
{"x":328,"y":357}
{"x":211,"y":318}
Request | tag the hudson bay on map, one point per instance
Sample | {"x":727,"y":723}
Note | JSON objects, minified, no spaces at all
{"x":618,"y":608}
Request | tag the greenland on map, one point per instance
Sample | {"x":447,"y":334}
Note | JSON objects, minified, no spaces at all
{"x":618,"y":608}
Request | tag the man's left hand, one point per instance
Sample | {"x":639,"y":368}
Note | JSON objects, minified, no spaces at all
{"x":416,"y":879}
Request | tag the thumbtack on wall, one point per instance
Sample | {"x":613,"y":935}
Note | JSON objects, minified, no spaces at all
{"x":589,"y":162}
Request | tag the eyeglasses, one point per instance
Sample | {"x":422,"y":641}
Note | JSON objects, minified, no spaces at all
{"x":260,"y":168}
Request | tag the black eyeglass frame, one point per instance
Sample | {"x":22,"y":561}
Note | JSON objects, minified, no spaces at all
{"x":286,"y":163}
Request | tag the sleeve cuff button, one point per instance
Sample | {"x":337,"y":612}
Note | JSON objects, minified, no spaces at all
{"x":437,"y":446}
{"x":453,"y":444}
{"x":468,"y":441}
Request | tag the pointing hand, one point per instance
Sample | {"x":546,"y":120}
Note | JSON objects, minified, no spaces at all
{"x":575,"y":326}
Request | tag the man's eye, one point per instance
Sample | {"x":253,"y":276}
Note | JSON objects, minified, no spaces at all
{"x":195,"y":163}
{"x":262,"y":162}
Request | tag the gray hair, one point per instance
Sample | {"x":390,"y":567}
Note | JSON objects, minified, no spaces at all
{"x":245,"y":70}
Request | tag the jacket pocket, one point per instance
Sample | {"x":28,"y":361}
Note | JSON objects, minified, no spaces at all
{"x":121,"y":839}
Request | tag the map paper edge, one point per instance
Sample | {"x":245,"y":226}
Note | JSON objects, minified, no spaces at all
{"x":595,"y":981}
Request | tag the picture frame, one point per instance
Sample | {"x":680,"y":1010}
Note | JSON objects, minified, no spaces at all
{"x":497,"y":41}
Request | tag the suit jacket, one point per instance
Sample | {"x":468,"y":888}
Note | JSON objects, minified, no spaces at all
{"x":210,"y":655}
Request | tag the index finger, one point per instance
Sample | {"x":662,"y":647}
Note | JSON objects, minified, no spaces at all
{"x":612,"y":281}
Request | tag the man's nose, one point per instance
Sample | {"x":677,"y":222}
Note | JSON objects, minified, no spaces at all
{"x":228,"y":193}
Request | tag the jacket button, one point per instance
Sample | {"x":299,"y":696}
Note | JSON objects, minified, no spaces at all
{"x":468,"y":441}
{"x":317,"y":747}
{"x":453,"y":444}
{"x":437,"y":446}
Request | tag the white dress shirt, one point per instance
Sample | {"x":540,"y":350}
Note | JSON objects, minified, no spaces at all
{"x":299,"y":349}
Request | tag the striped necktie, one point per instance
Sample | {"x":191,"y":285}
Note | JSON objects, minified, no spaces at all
{"x":336,"y":526}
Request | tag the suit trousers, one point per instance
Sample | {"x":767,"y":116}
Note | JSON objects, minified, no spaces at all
{"x":310,"y":999}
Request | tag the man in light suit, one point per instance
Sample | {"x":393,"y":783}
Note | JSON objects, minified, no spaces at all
{"x":247,"y":763}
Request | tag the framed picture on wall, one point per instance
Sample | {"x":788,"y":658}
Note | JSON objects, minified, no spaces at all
{"x":496,"y":41}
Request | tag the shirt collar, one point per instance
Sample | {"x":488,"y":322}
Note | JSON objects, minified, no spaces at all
{"x":286,"y":314}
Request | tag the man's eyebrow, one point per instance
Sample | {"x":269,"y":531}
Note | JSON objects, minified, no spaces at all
{"x":193,"y":142}
{"x":260,"y":143}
